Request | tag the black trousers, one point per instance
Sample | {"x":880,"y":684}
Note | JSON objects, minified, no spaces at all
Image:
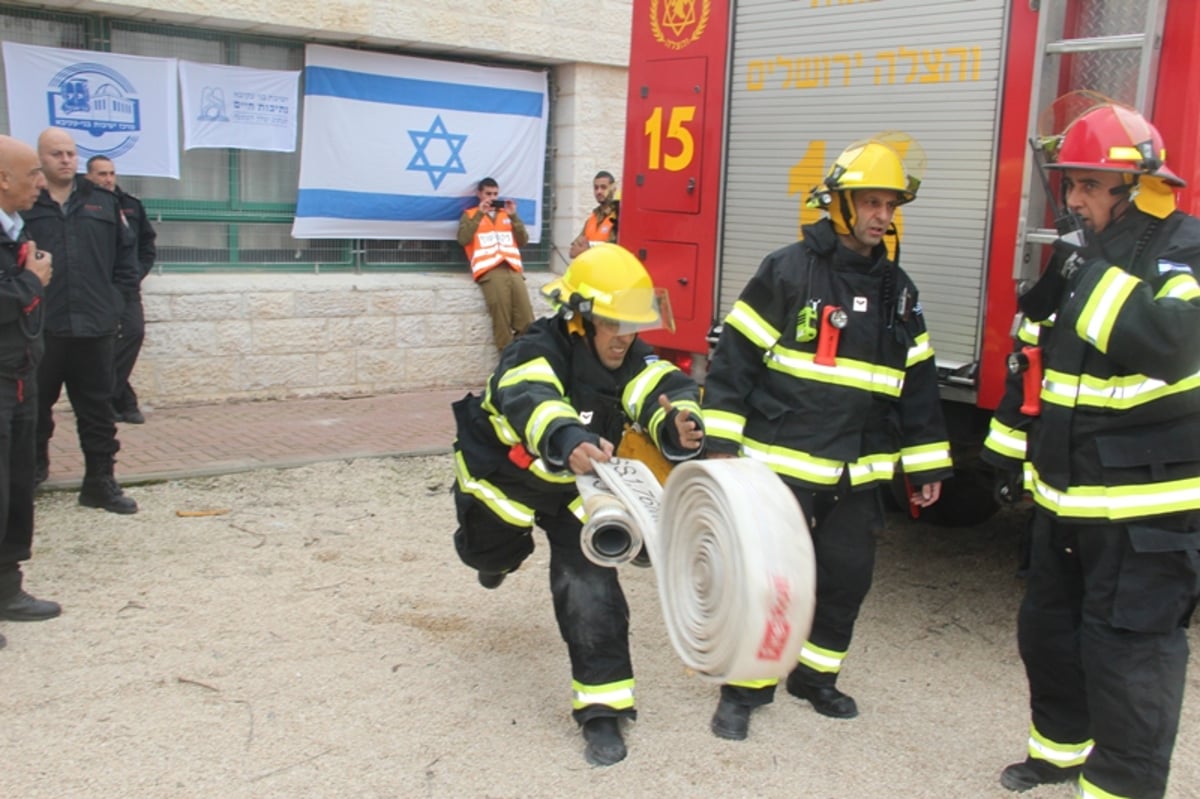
{"x":842,"y":524}
{"x":85,"y":367}
{"x":18,"y":421}
{"x":125,"y":352}
{"x":589,"y":605}
{"x":1102,"y":635}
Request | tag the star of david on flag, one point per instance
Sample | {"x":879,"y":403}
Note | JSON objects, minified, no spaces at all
{"x":393,"y":146}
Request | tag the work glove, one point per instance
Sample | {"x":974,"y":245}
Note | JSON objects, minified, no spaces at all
{"x":1008,"y":487}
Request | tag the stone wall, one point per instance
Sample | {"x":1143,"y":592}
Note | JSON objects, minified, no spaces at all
{"x":212,"y":338}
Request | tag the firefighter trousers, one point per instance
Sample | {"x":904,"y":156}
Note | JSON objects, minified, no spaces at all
{"x":589,"y":605}
{"x":1102,"y":635}
{"x":842,"y":524}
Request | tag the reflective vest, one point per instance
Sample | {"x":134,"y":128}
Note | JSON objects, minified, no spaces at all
{"x":493,"y":244}
{"x":598,"y":230}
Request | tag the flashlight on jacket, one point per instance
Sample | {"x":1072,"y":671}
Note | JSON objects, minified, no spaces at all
{"x":833,"y":319}
{"x":1027,"y":362}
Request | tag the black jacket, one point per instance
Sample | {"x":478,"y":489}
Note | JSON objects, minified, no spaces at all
{"x":143,"y":231}
{"x":1118,"y":436}
{"x":768,"y":397}
{"x":95,"y":259}
{"x":21,"y":311}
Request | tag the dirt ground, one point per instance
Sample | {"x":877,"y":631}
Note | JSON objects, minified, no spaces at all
{"x":321,"y":639}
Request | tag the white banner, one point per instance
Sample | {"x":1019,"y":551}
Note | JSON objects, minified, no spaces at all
{"x":124,"y":107}
{"x":393,"y":146}
{"x":239,"y":107}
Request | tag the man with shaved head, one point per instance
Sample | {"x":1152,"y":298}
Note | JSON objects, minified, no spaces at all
{"x":96,"y":260}
{"x":24,"y":274}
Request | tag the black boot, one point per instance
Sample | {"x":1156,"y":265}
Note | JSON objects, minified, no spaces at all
{"x":41,"y":468}
{"x":604,"y":743}
{"x":1032,"y":773}
{"x":101,"y":490}
{"x":731,"y":721}
{"x":825,"y":699}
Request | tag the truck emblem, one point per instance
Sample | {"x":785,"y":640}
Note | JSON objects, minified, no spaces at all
{"x":679,"y":19}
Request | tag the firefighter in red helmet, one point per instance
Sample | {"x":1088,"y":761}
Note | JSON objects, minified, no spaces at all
{"x":1111,"y":459}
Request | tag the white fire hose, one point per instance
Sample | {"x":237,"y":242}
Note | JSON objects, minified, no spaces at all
{"x":731,"y":551}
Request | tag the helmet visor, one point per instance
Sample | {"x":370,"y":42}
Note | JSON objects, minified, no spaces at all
{"x":634,"y":310}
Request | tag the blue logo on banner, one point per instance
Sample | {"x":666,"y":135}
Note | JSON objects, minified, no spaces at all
{"x":450,"y":148}
{"x":97,"y":100}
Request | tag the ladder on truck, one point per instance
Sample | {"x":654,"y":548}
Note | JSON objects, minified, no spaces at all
{"x":1117,"y":56}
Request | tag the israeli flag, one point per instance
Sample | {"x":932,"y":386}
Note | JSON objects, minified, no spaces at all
{"x":392,"y":147}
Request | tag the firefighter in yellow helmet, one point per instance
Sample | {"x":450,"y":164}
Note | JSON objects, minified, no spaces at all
{"x":559,"y":399}
{"x":825,"y":373}
{"x":1110,"y":458}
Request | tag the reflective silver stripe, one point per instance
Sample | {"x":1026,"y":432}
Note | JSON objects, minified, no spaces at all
{"x":1104,"y":305}
{"x":920,"y":351}
{"x":635,"y":394}
{"x":1005,"y":440}
{"x":723,"y":424}
{"x":1115,"y":502}
{"x":848,"y":372}
{"x":747,"y":321}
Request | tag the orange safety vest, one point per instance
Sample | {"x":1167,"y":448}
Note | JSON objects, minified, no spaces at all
{"x":598,"y":231}
{"x":493,"y":244}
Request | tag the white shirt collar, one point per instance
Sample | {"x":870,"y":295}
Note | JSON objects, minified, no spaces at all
{"x":13,"y":224}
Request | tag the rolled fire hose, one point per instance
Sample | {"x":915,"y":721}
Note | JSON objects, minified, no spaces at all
{"x":731,"y":551}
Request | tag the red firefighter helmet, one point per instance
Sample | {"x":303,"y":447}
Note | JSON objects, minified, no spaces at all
{"x":1113,"y":138}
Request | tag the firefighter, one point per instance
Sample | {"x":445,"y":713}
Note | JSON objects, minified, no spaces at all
{"x":559,"y":399}
{"x":1112,"y":462}
{"x":824,"y":372}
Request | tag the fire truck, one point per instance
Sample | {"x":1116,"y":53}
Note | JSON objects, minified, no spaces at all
{"x":737,"y":108}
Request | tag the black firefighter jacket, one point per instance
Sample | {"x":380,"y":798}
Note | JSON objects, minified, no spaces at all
{"x":549,"y":394}
{"x":95,"y":260}
{"x":768,"y":397}
{"x":21,"y":311}
{"x":143,"y":231}
{"x":1118,"y":436}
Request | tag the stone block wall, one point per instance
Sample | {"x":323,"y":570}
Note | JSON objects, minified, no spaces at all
{"x":219,"y":337}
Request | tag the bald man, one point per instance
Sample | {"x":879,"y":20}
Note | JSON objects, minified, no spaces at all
{"x":24,"y":274}
{"x":95,"y":255}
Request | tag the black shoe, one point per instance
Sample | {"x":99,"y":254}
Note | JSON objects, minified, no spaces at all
{"x":23,"y":607}
{"x":132,"y":417}
{"x":491,"y":580}
{"x":731,"y":721}
{"x":825,"y":699}
{"x":105,"y":492}
{"x":117,"y":416}
{"x":1032,"y":773}
{"x":604,"y":743}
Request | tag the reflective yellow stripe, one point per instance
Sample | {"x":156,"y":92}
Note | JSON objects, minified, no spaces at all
{"x":541,"y":418}
{"x":1181,"y":286}
{"x":724,"y":425}
{"x":637,"y":391}
{"x":927,"y":457}
{"x":1104,"y":305}
{"x":848,"y":372}
{"x":1118,"y":393}
{"x":873,"y":468}
{"x":511,"y":511}
{"x":754,"y":683}
{"x":1005,"y":440}
{"x":921,"y":350}
{"x":746,"y":321}
{"x":1115,"y":503}
{"x":1031,"y":331}
{"x":660,"y":416}
{"x":1090,"y":790}
{"x":537,"y":370}
{"x":824,"y":660}
{"x":540,"y":469}
{"x":576,"y":508}
{"x":617,"y":695}
{"x":1060,"y":754}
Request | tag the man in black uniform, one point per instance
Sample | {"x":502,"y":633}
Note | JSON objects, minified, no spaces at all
{"x":559,"y":399}
{"x":94,"y":252}
{"x":24,"y":273}
{"x":1112,"y":459}
{"x":132,"y":331}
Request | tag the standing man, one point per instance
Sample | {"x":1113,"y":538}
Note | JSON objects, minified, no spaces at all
{"x":601,"y":224}
{"x":132,"y":329}
{"x":81,"y":225}
{"x":559,"y":399}
{"x":491,"y":233}
{"x":825,"y":373}
{"x":1113,"y":464}
{"x":24,"y":273}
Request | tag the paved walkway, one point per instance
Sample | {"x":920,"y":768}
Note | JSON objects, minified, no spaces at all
{"x":197,"y":440}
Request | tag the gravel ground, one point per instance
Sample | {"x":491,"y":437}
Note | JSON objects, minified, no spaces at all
{"x":315,"y":636}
